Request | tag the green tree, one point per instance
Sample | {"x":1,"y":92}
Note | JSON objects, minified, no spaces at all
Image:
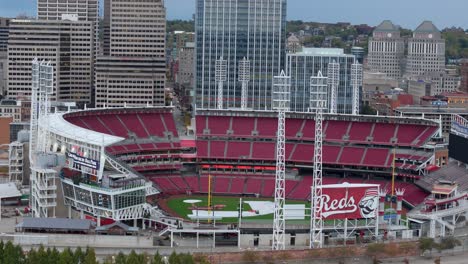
{"x":448,"y":243}
{"x":174,"y":259}
{"x":186,"y":258}
{"x":134,"y":258}
{"x":13,"y":254}
{"x":66,"y":257}
{"x":78,"y":256}
{"x":426,"y":244}
{"x":90,"y":257}
{"x":120,"y":258}
{"x":53,"y":255}
{"x":158,"y":259}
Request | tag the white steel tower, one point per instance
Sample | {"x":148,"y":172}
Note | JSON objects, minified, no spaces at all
{"x":244,"y":78}
{"x":356,"y":82}
{"x":220,"y":76}
{"x":42,"y":87}
{"x":333,"y":82}
{"x":280,"y":102}
{"x":318,"y":99}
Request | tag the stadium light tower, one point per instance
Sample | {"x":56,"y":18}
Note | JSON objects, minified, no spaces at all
{"x":318,"y":101}
{"x":356,"y":82}
{"x":42,"y":87}
{"x":244,"y":78}
{"x":280,"y":99}
{"x":220,"y":76}
{"x":333,"y":75}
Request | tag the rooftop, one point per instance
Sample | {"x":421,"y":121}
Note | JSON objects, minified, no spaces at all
{"x":427,"y":27}
{"x":322,"y":52}
{"x":58,"y":125}
{"x":64,"y":224}
{"x":386,"y":26}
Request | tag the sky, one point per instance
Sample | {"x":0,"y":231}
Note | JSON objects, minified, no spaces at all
{"x":407,"y":13}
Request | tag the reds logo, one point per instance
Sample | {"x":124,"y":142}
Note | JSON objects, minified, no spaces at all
{"x":347,"y":205}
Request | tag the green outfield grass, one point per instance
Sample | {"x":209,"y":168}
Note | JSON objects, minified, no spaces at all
{"x":231,"y":204}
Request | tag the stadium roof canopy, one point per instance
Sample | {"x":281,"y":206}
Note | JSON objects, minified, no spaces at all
{"x":58,"y":125}
{"x":55,"y":224}
{"x":9,"y":190}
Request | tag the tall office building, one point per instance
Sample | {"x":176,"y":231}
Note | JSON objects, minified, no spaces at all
{"x":86,"y":10}
{"x":426,"y":51}
{"x":4,"y":28}
{"x":386,"y":50}
{"x":307,"y":63}
{"x":133,"y":66}
{"x":234,"y":29}
{"x":67,"y":44}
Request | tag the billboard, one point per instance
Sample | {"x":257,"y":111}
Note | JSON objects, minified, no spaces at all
{"x":458,"y":147}
{"x":459,"y":128}
{"x":78,"y":161}
{"x":349,"y":201}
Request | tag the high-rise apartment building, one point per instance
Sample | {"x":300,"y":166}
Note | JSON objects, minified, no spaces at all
{"x":133,"y":66}
{"x":234,"y":29}
{"x":67,"y":44}
{"x":426,"y":51}
{"x":386,"y":50}
{"x":307,"y":63}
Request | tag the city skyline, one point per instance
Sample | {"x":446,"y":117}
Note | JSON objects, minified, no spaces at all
{"x":328,"y":12}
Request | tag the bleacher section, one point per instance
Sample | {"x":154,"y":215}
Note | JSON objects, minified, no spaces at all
{"x":151,"y":137}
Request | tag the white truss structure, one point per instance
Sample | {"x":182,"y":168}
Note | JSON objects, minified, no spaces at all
{"x":244,"y":78}
{"x":333,"y":75}
{"x":280,"y":99}
{"x":318,"y":92}
{"x":42,"y":180}
{"x":356,"y":84}
{"x":15,"y":162}
{"x":220,"y":77}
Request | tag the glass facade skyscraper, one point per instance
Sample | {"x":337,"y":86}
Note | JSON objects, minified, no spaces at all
{"x":234,"y":29}
{"x":303,"y":65}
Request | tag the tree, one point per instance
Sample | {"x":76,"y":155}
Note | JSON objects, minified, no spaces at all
{"x":158,"y":259}
{"x":120,"y":258}
{"x":66,"y":257}
{"x":174,"y":259}
{"x":134,"y":258}
{"x":426,"y":244}
{"x":448,"y":243}
{"x":186,"y":258}
{"x":54,"y":255}
{"x":78,"y":256}
{"x":90,"y":257}
{"x":12,"y":254}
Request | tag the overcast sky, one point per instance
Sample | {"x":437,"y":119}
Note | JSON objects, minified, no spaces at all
{"x":407,"y":13}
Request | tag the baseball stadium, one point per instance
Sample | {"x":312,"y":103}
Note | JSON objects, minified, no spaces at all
{"x":146,"y":165}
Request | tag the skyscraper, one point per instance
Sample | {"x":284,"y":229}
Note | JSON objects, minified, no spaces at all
{"x":234,"y":29}
{"x":307,"y":63}
{"x":386,"y":50}
{"x":86,"y":10}
{"x":66,"y":44}
{"x":133,"y":66}
{"x":426,"y":51}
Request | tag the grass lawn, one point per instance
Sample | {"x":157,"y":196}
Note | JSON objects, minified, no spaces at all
{"x":231,"y":204}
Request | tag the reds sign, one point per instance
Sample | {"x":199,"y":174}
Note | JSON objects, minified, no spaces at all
{"x":352,"y":201}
